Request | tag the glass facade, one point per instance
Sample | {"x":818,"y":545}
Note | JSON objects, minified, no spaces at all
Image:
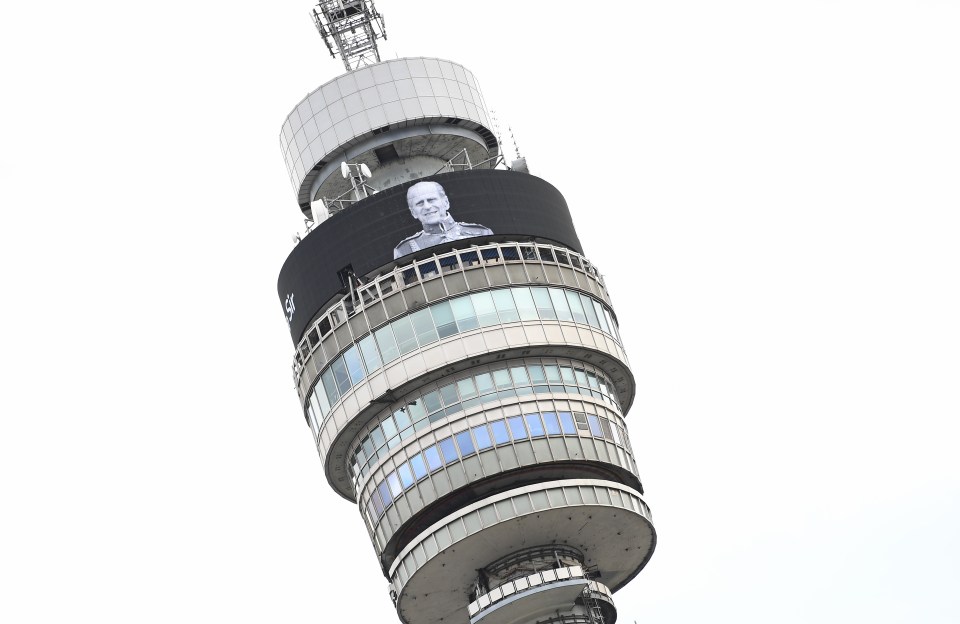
{"x":510,"y":382}
{"x":448,"y":318}
{"x":459,"y":446}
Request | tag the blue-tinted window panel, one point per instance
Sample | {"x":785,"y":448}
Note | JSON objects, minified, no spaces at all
{"x":592,"y":381}
{"x":510,"y":253}
{"x":525,"y":305}
{"x":424,"y":327}
{"x":394,"y":482}
{"x":402,"y":419}
{"x":449,"y":263}
{"x":448,"y":450}
{"x":464,"y":314}
{"x":443,"y":319}
{"x":517,"y":430}
{"x":519,"y":374}
{"x":601,"y":317}
{"x":418,"y":466}
{"x":567,"y":424}
{"x":432,"y":455}
{"x":377,"y":502}
{"x":469,"y":258}
{"x":536,"y":373}
{"x":566,"y":373}
{"x":502,"y":379}
{"x":605,"y":424}
{"x":389,"y":427}
{"x":541,"y":298}
{"x":500,"y":435}
{"x":485,"y":309}
{"x":387,"y":343}
{"x":385,"y":495}
{"x":484,"y":383}
{"x":377,"y":436}
{"x":559,"y":299}
{"x":534,"y":425}
{"x":406,"y":475}
{"x":467,"y":388}
{"x":330,"y":386}
{"x":465,"y":444}
{"x":371,"y":357}
{"x":482,"y":436}
{"x":595,"y":426}
{"x":590,"y":312}
{"x":490,"y":254}
{"x":581,"y":377}
{"x":506,"y":308}
{"x":431,"y":401}
{"x":428,"y":269}
{"x":351,"y":358}
{"x":417,"y":410}
{"x":553,"y":374}
{"x":322,"y":399}
{"x":576,"y":307}
{"x":552,"y":423}
{"x":406,"y":338}
{"x":448,"y":394}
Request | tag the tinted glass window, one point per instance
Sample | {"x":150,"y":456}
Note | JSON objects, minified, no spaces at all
{"x":534,"y":425}
{"x":448,"y":451}
{"x":465,"y":444}
{"x":432,"y":456}
{"x":500,"y":435}
{"x":482,"y":435}
{"x":517,"y":430}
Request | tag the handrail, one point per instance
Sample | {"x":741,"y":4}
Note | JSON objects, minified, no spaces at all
{"x":408,"y":275}
{"x":537,"y":579}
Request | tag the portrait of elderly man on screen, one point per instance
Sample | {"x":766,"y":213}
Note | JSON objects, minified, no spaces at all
{"x":428,"y":204}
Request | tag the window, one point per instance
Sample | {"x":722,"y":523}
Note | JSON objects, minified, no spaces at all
{"x":418,"y":466}
{"x":432,"y":456}
{"x":465,"y":444}
{"x":552,"y":422}
{"x":500,"y":434}
{"x":517,"y":430}
{"x":534,"y":425}
{"x":351,"y":359}
{"x":482,"y":435}
{"x":424,"y":327}
{"x":406,"y":476}
{"x":448,"y":451}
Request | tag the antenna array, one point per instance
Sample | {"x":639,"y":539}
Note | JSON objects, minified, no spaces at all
{"x":350,"y":28}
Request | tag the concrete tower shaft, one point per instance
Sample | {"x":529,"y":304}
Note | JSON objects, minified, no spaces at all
{"x":458,"y":357}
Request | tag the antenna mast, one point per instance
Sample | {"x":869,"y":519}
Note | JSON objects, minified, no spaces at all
{"x":350,"y":28}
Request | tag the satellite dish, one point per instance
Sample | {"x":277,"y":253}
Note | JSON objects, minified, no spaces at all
{"x":344,"y":169}
{"x":295,"y":237}
{"x":365,"y":170}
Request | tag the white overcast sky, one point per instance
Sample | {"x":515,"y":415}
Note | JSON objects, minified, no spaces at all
{"x":770,"y":188}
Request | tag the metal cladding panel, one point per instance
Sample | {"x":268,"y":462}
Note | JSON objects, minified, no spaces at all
{"x":487,"y":204}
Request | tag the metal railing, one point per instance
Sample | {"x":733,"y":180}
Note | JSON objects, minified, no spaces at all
{"x":412,"y":274}
{"x":538,"y":579}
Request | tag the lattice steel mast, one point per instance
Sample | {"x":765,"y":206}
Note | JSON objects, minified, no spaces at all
{"x":350,"y":28}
